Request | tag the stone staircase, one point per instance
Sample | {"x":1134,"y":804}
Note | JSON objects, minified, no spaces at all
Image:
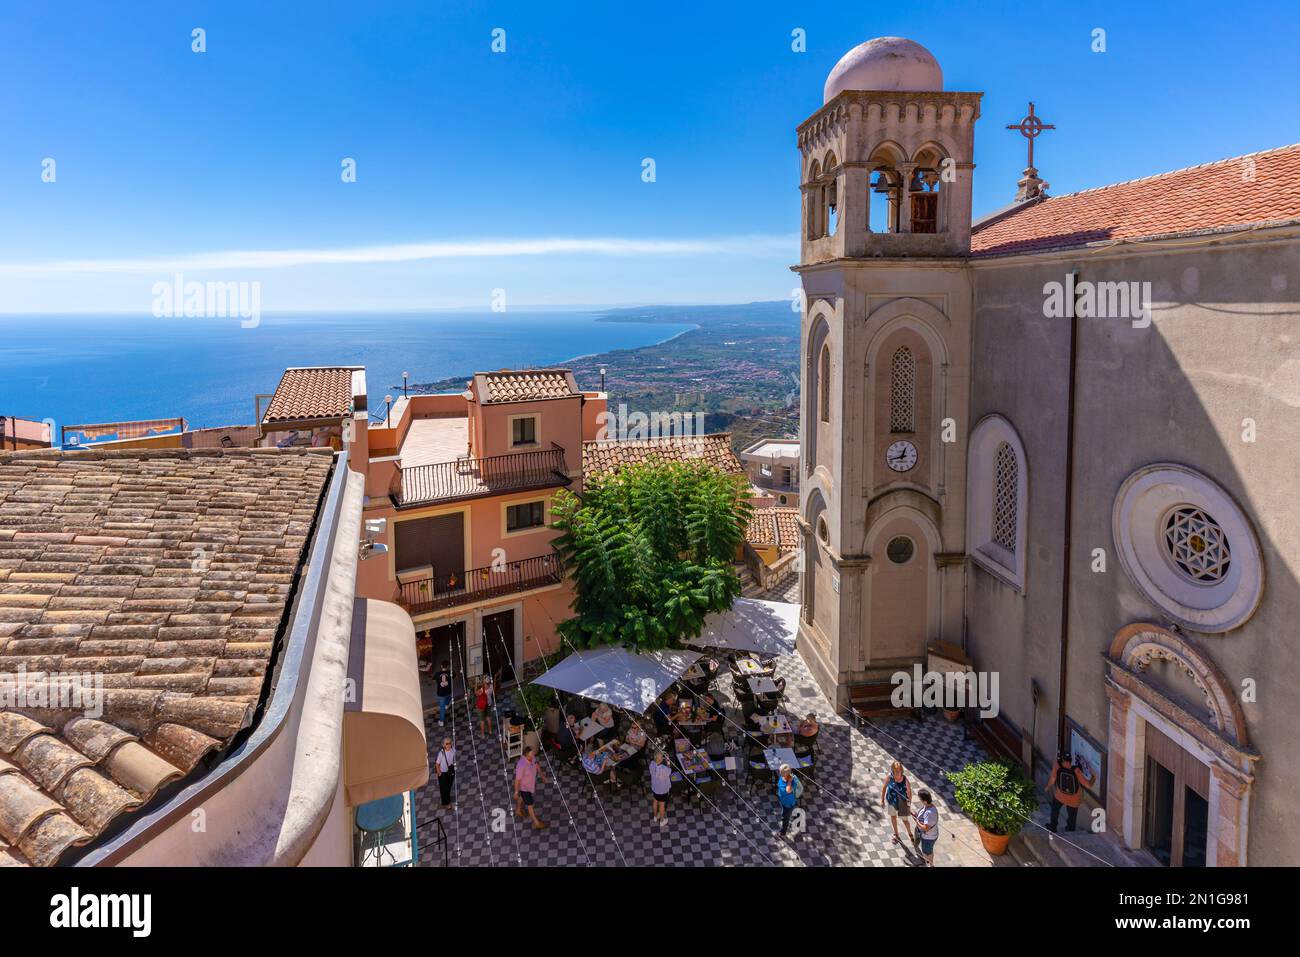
{"x":1035,"y":846}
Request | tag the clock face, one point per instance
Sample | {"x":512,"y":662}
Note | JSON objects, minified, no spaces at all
{"x":901,"y":456}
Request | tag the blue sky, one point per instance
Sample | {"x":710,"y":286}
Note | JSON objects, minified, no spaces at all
{"x":164,"y":154}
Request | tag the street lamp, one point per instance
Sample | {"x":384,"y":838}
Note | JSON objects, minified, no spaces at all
{"x":602,"y":378}
{"x":404,"y":392}
{"x":388,"y":412}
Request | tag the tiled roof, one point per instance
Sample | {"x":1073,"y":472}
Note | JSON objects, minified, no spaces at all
{"x":162,"y":576}
{"x":305,"y":394}
{"x":602,"y":457}
{"x":777,"y":526}
{"x":525,"y":385}
{"x":1257,"y":188}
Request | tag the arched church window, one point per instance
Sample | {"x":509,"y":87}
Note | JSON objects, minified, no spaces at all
{"x":830,"y":198}
{"x":824,"y":384}
{"x":923,"y":191}
{"x":815,"y":201}
{"x":1006,"y":481}
{"x":902,"y":391}
{"x":886,"y":191}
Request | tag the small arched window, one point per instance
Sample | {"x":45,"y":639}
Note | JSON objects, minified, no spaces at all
{"x":902,"y":391}
{"x":1006,"y":480}
{"x":824,"y":384}
{"x":814,"y":201}
{"x":997,"y":505}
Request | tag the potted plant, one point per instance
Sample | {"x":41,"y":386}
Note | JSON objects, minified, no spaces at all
{"x":997,"y":797}
{"x":952,"y":714}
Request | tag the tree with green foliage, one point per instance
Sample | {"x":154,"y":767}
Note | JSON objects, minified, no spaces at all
{"x":650,"y":549}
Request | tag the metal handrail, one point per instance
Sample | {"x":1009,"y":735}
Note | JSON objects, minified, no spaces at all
{"x":478,"y":584}
{"x":473,"y":477}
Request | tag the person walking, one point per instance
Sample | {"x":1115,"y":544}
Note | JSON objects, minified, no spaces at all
{"x":527,"y":771}
{"x":442,"y":687}
{"x":445,"y":766}
{"x":927,"y":826}
{"x":896,"y":794}
{"x":483,"y":704}
{"x":1063,"y":785}
{"x":788,"y":791}
{"x":661,"y":784}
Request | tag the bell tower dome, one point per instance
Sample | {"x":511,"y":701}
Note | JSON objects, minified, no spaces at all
{"x":887,"y":160}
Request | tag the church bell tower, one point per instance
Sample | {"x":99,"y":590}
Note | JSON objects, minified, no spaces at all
{"x":886,"y":166}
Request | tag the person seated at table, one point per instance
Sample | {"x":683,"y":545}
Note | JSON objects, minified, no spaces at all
{"x":603,"y":716}
{"x":683,"y":713}
{"x":598,"y":760}
{"x":567,"y":741}
{"x":808,"y":727}
{"x":662,"y":713}
{"x":636,"y":736}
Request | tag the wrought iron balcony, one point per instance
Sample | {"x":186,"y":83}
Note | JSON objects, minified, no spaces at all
{"x":479,"y":584}
{"x":474,"y":477}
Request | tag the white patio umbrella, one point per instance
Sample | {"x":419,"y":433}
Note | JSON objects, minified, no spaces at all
{"x":768,"y":627}
{"x":619,"y":677}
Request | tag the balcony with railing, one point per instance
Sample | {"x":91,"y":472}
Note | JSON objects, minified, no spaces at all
{"x":468,"y":477}
{"x":439,"y":592}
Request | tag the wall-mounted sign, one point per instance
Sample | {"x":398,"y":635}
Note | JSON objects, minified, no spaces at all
{"x":1091,"y":753}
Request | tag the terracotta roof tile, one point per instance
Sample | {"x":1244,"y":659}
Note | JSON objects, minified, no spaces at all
{"x":1238,"y":192}
{"x":306,"y":394}
{"x":524,"y":385}
{"x":605,"y":456}
{"x":777,"y":526}
{"x":156,"y":603}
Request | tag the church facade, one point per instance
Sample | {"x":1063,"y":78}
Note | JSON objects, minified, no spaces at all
{"x":1063,"y":437}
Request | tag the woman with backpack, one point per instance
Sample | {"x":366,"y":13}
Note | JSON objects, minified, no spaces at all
{"x":896,"y":794}
{"x":1066,"y":786}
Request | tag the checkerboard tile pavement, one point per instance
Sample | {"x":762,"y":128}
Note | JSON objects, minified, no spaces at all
{"x":590,"y":824}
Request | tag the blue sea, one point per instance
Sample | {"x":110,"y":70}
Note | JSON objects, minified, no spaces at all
{"x":84,"y":369}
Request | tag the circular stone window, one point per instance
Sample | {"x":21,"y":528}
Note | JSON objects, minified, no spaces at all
{"x":1188,"y":547}
{"x":1197,"y":545}
{"x":900,"y":550}
{"x":823,"y":530}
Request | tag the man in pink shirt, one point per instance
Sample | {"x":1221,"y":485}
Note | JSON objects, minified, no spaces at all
{"x":526,"y":774}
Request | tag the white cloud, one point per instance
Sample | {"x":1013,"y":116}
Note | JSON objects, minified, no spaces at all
{"x":744,"y":246}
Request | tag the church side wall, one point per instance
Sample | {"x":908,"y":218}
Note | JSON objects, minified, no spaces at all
{"x":1222,"y":348}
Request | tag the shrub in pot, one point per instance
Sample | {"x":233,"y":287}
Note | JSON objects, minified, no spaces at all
{"x":997,"y":797}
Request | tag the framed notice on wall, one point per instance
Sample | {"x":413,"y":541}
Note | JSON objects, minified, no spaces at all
{"x":1091,"y":754}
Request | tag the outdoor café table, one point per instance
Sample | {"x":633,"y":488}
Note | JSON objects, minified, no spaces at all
{"x":695,"y":761}
{"x":694,"y":673}
{"x":774,"y":724}
{"x":779,"y":756}
{"x":762,"y":685}
{"x":588,"y":728}
{"x":624,"y":751}
{"x":374,"y":819}
{"x":748,"y":666}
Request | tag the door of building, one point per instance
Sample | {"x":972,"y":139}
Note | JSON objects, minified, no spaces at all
{"x":445,"y":643}
{"x":1177,"y":812}
{"x":499,"y":646}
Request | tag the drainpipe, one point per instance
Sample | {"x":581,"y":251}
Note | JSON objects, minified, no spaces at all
{"x":1062,"y":682}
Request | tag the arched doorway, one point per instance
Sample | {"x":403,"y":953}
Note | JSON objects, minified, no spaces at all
{"x":1181,"y":764}
{"x":904,"y":586}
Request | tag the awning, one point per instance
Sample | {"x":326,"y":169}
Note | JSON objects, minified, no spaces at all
{"x":619,"y":677}
{"x":383,"y":725}
{"x":768,"y":627}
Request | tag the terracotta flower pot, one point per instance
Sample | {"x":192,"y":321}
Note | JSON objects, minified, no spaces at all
{"x":995,"y":844}
{"x":952,"y":714}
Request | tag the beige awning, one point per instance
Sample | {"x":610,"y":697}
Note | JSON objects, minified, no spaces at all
{"x":383,"y":725}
